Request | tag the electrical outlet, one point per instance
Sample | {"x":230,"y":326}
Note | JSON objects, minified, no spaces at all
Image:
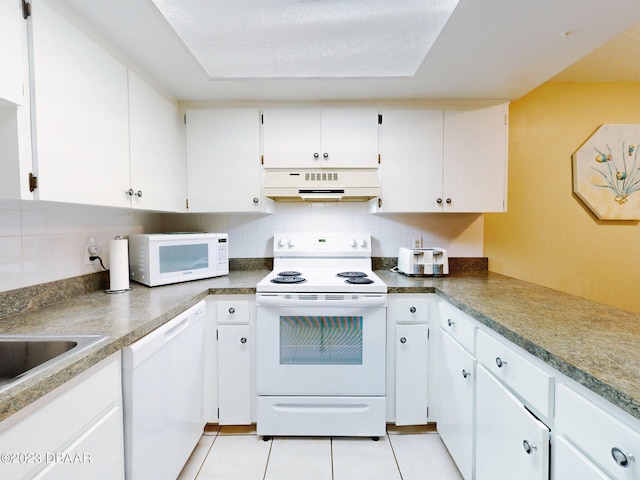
{"x":90,"y":249}
{"x":417,"y":243}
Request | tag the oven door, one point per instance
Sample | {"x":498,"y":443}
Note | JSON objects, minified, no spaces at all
{"x":321,"y":344}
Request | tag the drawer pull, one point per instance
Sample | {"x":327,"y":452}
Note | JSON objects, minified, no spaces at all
{"x":232,"y":310}
{"x":450,"y":322}
{"x":500,"y":362}
{"x":620,"y":457}
{"x":243,"y":340}
{"x":528,"y":447}
{"x":403,"y":340}
{"x":465,"y":374}
{"x":412,"y":309}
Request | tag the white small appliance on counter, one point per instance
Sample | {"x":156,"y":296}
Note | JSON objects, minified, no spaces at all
{"x":423,"y":262}
{"x":164,"y":258}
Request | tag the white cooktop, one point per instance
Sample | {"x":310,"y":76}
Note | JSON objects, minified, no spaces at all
{"x":318,"y":258}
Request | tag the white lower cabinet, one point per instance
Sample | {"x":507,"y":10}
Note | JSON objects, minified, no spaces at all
{"x":456,"y":396}
{"x":73,"y":432}
{"x":510,"y":442}
{"x":412,"y":361}
{"x":234,"y":362}
{"x":606,"y":440}
{"x":230,"y":393}
{"x":569,"y":462}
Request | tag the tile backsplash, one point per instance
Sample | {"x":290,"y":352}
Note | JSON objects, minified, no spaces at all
{"x":42,"y":242}
{"x":251,"y":235}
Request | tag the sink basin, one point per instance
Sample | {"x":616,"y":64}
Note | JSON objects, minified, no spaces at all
{"x":22,"y":356}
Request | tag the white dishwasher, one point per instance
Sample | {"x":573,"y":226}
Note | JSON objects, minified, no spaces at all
{"x":162,"y":377}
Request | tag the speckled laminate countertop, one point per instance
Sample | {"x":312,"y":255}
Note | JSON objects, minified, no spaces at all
{"x":592,"y":343}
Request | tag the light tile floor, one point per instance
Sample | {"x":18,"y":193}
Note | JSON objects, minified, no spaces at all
{"x":237,"y":453}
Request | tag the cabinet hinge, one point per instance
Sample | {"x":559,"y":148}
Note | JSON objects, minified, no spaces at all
{"x":218,"y":413}
{"x":379,"y":202}
{"x":26,"y":9}
{"x":261,"y":159}
{"x":185,"y":118}
{"x":262,"y":119}
{"x":379,"y":159}
{"x":379,"y":119}
{"x":428,"y":333}
{"x":427,"y":412}
{"x":216,"y":334}
{"x":33,"y":182}
{"x":186,"y":203}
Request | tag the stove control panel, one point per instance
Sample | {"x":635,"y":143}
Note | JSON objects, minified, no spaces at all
{"x":320,"y":245}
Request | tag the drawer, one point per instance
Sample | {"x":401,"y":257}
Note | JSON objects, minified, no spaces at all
{"x":456,"y":324}
{"x":532,"y":384}
{"x":598,"y":434}
{"x":233,"y":311}
{"x":409,"y":310}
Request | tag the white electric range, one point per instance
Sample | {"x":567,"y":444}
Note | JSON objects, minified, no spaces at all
{"x":321,"y":338}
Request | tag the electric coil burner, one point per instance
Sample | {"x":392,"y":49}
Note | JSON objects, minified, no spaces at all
{"x":321,"y":339}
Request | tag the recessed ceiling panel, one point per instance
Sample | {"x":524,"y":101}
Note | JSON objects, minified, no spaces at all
{"x":307,"y":38}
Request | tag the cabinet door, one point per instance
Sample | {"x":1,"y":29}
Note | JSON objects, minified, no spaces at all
{"x":570,"y":463}
{"x":13,"y":52}
{"x":411,"y":167}
{"x":455,"y":403}
{"x":223,"y":161}
{"x":157,"y":171}
{"x":234,"y":374}
{"x":412,"y":364}
{"x":349,"y":138}
{"x":291,"y":138}
{"x":510,"y":441}
{"x":81,"y":115}
{"x":475,"y":159}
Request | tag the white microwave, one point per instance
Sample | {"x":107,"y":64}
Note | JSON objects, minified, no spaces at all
{"x":164,"y":258}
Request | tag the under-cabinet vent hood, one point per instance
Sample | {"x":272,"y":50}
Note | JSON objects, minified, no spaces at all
{"x":321,"y":185}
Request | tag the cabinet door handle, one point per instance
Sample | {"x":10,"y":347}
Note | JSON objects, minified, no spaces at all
{"x":316,"y":155}
{"x":403,"y":340}
{"x":130,"y":192}
{"x":621,"y":458}
{"x":412,"y":309}
{"x":232,"y":310}
{"x":450,"y":322}
{"x":528,"y":447}
{"x":243,"y":340}
{"x":256,"y":200}
{"x":500,"y":362}
{"x":325,"y":155}
{"x":139,"y":194}
{"x":465,"y":374}
{"x":439,"y":201}
{"x":448,"y":200}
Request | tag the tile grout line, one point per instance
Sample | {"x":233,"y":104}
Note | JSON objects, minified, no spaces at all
{"x":266,"y":465}
{"x":393,"y":451}
{"x":331,"y":451}
{"x":204,"y":459}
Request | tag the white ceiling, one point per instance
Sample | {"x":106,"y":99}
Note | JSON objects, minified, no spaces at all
{"x":488,"y":50}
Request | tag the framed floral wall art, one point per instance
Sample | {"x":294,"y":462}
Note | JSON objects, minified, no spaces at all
{"x":606,"y":172}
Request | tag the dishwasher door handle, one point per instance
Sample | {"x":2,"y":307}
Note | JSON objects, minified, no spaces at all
{"x":175,"y":330}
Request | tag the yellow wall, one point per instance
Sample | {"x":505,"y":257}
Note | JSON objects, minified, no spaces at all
{"x":547,"y":236}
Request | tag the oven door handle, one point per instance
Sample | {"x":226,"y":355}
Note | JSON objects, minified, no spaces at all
{"x":321,"y":300}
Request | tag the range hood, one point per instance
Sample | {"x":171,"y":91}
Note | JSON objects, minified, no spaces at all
{"x":346,"y":185}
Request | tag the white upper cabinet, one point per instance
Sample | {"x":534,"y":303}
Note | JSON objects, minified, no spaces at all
{"x":443,"y":161}
{"x":13,"y":52}
{"x":411,"y":167}
{"x":81,"y":115}
{"x":320,"y":138}
{"x":223,"y":161}
{"x":158,"y":173}
{"x":475,"y":160}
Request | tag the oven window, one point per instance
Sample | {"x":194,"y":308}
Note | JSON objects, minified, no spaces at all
{"x":320,"y":340}
{"x":177,"y":258}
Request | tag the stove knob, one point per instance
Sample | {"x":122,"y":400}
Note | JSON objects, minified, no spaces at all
{"x":354,"y":243}
{"x":282,"y":242}
{"x":291,"y":242}
{"x":363,"y":243}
